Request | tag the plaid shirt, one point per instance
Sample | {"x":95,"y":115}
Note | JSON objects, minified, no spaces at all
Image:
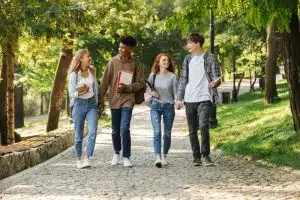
{"x":212,"y":72}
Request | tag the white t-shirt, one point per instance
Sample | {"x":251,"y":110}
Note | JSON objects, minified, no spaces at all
{"x":197,"y":88}
{"x":90,"y":83}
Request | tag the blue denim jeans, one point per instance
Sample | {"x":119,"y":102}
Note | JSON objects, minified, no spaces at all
{"x":167,"y":111}
{"x":120,"y":120}
{"x":85,"y":109}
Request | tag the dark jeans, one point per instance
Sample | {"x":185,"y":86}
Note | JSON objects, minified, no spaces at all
{"x":120,"y":120}
{"x":198,"y":118}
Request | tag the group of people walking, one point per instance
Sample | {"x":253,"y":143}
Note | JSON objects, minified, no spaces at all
{"x":123,"y":77}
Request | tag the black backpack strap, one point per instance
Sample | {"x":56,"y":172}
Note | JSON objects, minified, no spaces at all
{"x":153,"y":82}
{"x":188,"y":60}
{"x":151,"y":86}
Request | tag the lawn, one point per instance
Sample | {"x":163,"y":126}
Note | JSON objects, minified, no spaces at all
{"x":250,"y":128}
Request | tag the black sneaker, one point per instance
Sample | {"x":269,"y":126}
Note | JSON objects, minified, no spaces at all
{"x":197,"y":162}
{"x":208,"y":161}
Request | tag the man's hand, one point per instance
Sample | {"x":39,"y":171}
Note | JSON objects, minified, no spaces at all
{"x":101,"y":107}
{"x":214,"y":84}
{"x":121,"y":88}
{"x":179,"y":104}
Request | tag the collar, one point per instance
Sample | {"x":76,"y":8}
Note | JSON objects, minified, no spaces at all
{"x":127,"y":61}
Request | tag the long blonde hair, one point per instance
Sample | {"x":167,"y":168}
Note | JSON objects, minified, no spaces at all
{"x":76,"y":62}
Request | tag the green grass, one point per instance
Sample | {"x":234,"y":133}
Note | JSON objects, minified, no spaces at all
{"x":250,"y":128}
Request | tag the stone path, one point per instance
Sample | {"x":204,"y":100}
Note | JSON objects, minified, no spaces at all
{"x":231,"y":178}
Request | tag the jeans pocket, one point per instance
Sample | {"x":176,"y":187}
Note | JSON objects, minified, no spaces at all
{"x":155,"y":104}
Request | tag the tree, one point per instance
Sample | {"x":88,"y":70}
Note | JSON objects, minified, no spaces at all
{"x":11,"y":18}
{"x":286,"y":12}
{"x":56,"y":19}
{"x":3,"y":101}
{"x":59,"y":87}
{"x":11,"y":92}
{"x":259,"y":13}
{"x":270,"y":84}
{"x":292,"y":67}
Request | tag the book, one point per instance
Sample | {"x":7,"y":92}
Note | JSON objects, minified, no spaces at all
{"x":78,"y":87}
{"x":219,"y":77}
{"x":125,"y":77}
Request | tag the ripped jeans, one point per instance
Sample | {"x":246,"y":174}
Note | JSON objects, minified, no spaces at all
{"x":167,"y":111}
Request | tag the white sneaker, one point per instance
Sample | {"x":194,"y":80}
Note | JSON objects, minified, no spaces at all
{"x":115,"y":160}
{"x":127,"y":162}
{"x":86,"y":163}
{"x":164,"y":161}
{"x":79,"y":164}
{"x":158,"y":162}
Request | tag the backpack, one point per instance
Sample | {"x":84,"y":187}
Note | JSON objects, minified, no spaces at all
{"x":139,"y":95}
{"x":148,"y":98}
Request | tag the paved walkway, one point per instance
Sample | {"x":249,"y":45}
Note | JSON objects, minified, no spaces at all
{"x":231,"y":178}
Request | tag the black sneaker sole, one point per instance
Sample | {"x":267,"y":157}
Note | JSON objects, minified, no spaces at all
{"x":158,"y":164}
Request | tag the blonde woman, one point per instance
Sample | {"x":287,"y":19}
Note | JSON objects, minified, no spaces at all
{"x":83,"y":90}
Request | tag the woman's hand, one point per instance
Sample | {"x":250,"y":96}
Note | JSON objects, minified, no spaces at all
{"x":179,"y":104}
{"x":154,"y":94}
{"x":83,"y":89}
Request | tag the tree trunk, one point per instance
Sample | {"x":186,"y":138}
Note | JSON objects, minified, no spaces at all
{"x":58,"y":88}
{"x":234,"y":90}
{"x":223,"y":68}
{"x":68,"y":105}
{"x":11,"y":93}
{"x":47,"y":102}
{"x":252,"y":89}
{"x":42,"y":104}
{"x":63,"y":103}
{"x":292,"y":68}
{"x":250,"y":77}
{"x":239,"y":83}
{"x":3,"y":99}
{"x":261,"y":80}
{"x":19,"y":107}
{"x":270,"y":81}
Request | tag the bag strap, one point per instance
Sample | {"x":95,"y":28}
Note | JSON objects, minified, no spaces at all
{"x":134,"y":65}
{"x":189,"y":58}
{"x":151,"y":86}
{"x":153,"y":81}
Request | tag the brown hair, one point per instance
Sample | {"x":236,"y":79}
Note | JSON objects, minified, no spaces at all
{"x":75,"y":64}
{"x":196,"y":38}
{"x":155,"y":67}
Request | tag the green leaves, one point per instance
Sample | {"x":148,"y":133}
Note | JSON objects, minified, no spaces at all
{"x":37,"y":59}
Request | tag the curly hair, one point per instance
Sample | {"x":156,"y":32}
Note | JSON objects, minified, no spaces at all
{"x":155,"y":67}
{"x":128,"y":40}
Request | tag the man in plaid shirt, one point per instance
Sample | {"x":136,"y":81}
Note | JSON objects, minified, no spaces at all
{"x":197,"y":90}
